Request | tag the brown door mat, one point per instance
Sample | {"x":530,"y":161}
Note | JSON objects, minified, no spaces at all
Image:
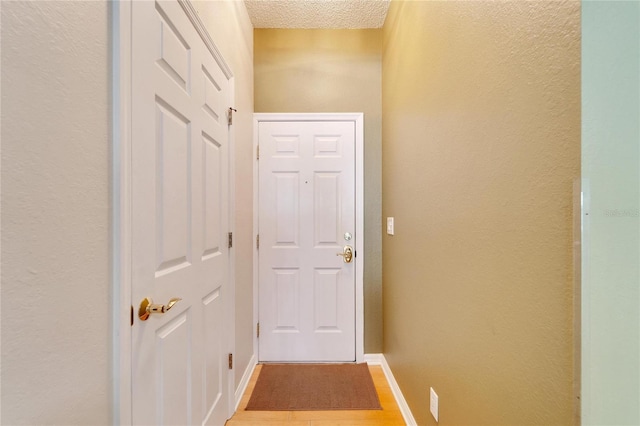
{"x":306,"y":387}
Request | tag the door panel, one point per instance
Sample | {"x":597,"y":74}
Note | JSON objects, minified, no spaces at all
{"x":173,"y":372}
{"x":306,"y":202}
{"x":173,"y":168}
{"x":179,"y":220}
{"x":287,"y":294}
{"x":286,"y":186}
{"x":326,"y":212}
{"x":214,"y":363}
{"x":326,"y":282}
{"x":211,"y":212}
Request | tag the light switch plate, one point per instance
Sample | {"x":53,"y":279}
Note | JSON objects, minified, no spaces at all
{"x":389,"y":226}
{"x":433,"y":403}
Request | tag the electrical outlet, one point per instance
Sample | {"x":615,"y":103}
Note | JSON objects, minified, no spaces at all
{"x":390,"y":226}
{"x":433,"y":403}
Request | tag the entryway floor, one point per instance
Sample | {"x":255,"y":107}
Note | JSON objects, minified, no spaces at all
{"x":389,"y":415}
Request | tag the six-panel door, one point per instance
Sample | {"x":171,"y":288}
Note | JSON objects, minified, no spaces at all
{"x":306,"y":217}
{"x":179,"y":169}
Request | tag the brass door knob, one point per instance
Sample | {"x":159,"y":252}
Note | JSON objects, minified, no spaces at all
{"x":347,"y":254}
{"x":147,"y":307}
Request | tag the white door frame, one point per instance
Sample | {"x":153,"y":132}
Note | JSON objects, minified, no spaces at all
{"x":122,"y":305}
{"x":358,"y":119}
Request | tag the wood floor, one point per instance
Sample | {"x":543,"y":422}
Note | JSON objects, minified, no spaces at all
{"x":389,"y":415}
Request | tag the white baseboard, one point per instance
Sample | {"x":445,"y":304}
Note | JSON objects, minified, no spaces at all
{"x":379,"y":359}
{"x":244,"y":382}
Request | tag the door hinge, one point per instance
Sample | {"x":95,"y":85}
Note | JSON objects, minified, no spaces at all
{"x":230,"y":115}
{"x":258,"y":152}
{"x":258,"y":241}
{"x":230,"y":239}
{"x":230,"y":361}
{"x":258,"y":330}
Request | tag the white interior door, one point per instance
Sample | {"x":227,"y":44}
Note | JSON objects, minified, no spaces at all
{"x":180,"y":190}
{"x":306,"y":217}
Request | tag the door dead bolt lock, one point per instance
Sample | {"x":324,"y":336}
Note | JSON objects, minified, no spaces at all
{"x":347,"y":254}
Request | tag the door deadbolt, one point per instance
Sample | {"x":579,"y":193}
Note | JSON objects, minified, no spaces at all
{"x":347,"y":254}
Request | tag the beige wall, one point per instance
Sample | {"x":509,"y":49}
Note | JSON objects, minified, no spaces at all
{"x":55,"y":213}
{"x":481,"y":110}
{"x":231,"y":30}
{"x":333,"y":71}
{"x":56,"y":159}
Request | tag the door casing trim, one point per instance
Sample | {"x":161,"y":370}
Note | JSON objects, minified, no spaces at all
{"x":358,"y":119}
{"x":121,"y":244}
{"x":121,"y":212}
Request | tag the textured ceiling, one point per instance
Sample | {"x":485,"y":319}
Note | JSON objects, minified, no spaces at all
{"x":317,"y":13}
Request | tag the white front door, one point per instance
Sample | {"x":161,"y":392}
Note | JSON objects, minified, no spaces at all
{"x":179,"y":223}
{"x":307,"y":215}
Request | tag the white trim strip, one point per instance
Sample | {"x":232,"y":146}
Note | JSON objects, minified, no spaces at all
{"x":244,"y":382}
{"x":379,"y":359}
{"x":193,"y":16}
{"x":121,"y":211}
{"x":359,"y":243}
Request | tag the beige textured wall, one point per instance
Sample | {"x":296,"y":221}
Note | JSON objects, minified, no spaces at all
{"x":333,"y":71}
{"x":481,"y":111}
{"x":231,"y":30}
{"x":55,"y":213}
